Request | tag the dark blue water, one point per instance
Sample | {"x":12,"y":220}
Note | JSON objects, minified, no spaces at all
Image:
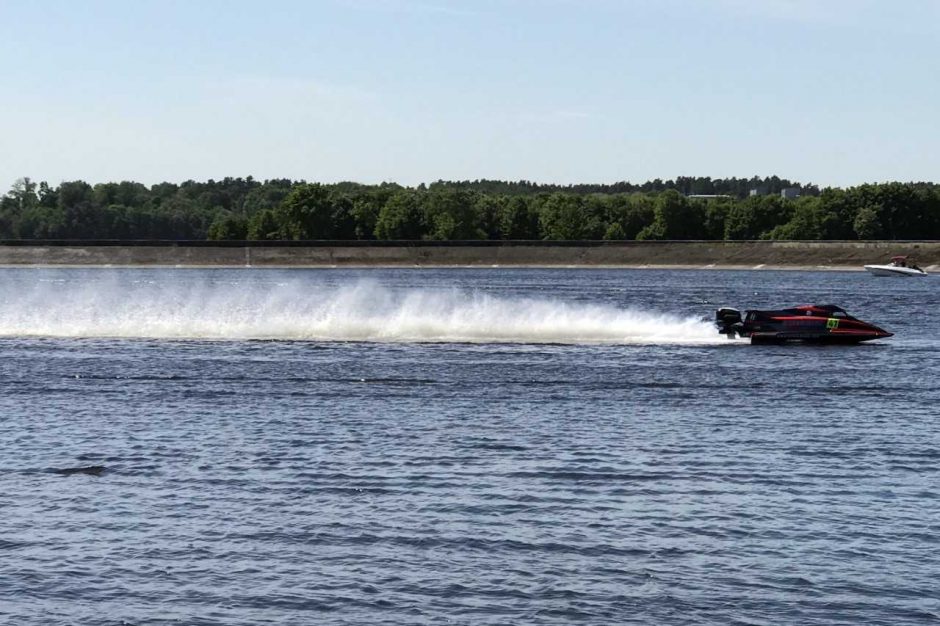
{"x":462,"y":447}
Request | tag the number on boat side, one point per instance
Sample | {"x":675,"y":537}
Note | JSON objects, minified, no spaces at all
{"x":832,"y":322}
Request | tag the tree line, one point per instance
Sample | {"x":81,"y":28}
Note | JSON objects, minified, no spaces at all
{"x":281,"y":209}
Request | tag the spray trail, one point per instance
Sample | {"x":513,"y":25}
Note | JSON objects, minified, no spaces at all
{"x":361,"y":311}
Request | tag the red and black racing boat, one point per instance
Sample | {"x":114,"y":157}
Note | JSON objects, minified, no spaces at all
{"x":825,"y":323}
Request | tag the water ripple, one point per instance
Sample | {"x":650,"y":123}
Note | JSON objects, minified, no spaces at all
{"x":330,"y":482}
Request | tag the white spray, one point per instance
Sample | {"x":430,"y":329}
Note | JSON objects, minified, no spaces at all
{"x":295,"y":310}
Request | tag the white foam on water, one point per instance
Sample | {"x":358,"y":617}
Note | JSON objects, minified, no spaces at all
{"x":361,"y":311}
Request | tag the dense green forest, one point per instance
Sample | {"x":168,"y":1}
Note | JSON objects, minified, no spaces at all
{"x":244,"y":208}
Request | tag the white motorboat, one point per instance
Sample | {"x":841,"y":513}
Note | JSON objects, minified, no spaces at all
{"x":899,"y":266}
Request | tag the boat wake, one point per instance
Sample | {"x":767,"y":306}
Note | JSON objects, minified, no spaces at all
{"x":362,"y":311}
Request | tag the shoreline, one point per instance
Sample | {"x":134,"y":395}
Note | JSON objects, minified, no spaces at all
{"x":662,"y":255}
{"x":713,"y":267}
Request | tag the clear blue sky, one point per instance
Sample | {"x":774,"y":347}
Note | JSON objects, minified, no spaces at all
{"x":836,"y":92}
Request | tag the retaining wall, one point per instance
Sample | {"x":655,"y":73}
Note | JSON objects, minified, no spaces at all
{"x":770,"y":254}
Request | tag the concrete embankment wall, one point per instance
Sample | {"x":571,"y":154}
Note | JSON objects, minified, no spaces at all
{"x":744,"y":254}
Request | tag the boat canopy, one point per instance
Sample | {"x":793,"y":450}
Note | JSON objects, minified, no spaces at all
{"x":816,"y":310}
{"x":821,"y":308}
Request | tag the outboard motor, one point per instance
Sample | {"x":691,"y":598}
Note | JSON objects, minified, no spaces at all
{"x":728,"y":321}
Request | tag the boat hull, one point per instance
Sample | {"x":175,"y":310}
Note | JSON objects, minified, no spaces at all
{"x":892,"y":270}
{"x":816,"y":339}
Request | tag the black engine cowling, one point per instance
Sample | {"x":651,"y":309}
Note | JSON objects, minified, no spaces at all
{"x":728,"y":321}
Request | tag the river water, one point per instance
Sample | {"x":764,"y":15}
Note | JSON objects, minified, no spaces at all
{"x":462,"y":447}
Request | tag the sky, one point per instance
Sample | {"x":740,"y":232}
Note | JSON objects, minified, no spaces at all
{"x":832,"y":92}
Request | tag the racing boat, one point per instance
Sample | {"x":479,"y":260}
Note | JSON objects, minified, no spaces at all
{"x":899,"y":266}
{"x":810,"y":323}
